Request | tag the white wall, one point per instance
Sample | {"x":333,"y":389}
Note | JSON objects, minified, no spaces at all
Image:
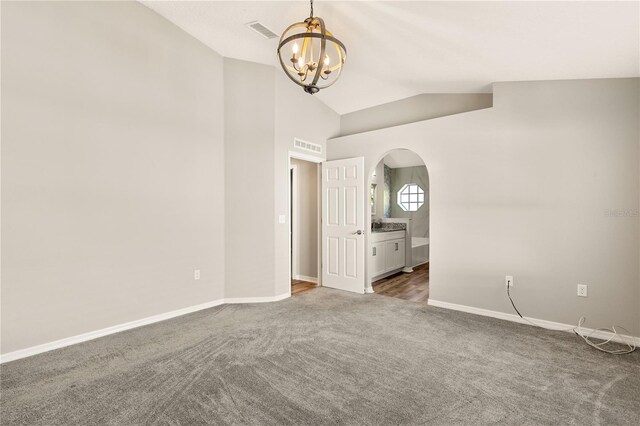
{"x":249,"y":168}
{"x":261,"y":123}
{"x":297,"y":115}
{"x":132,"y":155}
{"x":410,"y":110}
{"x":522,"y":189}
{"x":112,"y":169}
{"x":305,"y":222}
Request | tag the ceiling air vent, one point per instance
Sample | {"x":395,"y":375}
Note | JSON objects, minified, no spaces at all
{"x":262,"y":30}
{"x":307,"y":146}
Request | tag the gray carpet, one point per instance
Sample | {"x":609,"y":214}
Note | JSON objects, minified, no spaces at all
{"x":326,"y":357}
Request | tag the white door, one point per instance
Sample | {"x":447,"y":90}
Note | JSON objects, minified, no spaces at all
{"x":343,"y":219}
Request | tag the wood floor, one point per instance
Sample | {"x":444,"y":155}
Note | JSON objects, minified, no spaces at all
{"x":299,"y":287}
{"x":413,"y":286}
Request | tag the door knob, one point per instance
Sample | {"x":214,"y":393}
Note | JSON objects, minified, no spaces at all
{"x":359,"y":232}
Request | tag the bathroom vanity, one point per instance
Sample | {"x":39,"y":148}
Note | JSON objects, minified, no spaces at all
{"x":387,"y":252}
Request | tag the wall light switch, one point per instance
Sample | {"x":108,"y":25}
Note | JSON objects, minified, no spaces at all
{"x":196,"y":274}
{"x":282,"y":219}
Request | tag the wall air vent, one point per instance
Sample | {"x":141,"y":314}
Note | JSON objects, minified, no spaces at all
{"x":307,"y":146}
{"x":262,"y":30}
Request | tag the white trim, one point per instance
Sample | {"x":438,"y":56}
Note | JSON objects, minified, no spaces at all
{"x":420,"y":264}
{"x":319,"y":221}
{"x":84,"y":337}
{"x":294,"y":226}
{"x":22,"y":353}
{"x":318,"y":161}
{"x":264,"y":299}
{"x":515,"y":318}
{"x":306,"y":278}
{"x":290,"y":239}
{"x":306,"y":157}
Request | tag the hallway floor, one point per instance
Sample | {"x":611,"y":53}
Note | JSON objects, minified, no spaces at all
{"x":299,"y":287}
{"x":413,"y":286}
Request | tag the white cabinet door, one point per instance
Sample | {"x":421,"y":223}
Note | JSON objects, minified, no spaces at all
{"x":378,"y":265}
{"x":394,"y":254}
{"x":343,"y":219}
{"x":400,"y":260}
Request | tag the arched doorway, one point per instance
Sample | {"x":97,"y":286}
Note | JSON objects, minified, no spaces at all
{"x":399,"y":234}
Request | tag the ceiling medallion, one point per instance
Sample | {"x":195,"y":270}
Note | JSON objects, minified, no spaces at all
{"x":317,"y":57}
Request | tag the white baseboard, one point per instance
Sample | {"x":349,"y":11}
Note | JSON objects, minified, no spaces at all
{"x":57,"y":344}
{"x":549,"y":324}
{"x":236,"y":300}
{"x":34,"y":350}
{"x":306,"y":278}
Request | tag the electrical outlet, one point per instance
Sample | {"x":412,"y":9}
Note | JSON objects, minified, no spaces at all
{"x":196,"y":274}
{"x":508,"y":280}
{"x":582,"y":290}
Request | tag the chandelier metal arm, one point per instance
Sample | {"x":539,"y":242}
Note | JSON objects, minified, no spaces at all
{"x":304,"y":75}
{"x":313,"y":35}
{"x":284,"y":67}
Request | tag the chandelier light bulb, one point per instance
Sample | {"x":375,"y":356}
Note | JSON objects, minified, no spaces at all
{"x":326,"y":60}
{"x":295,"y":48}
{"x":300,"y":61}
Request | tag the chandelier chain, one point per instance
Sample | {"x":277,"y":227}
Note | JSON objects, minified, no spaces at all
{"x":311,"y":15}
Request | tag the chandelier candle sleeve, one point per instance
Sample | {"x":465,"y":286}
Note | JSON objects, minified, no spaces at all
{"x":316,"y":56}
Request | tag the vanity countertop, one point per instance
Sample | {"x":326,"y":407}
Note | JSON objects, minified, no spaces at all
{"x":388,"y":227}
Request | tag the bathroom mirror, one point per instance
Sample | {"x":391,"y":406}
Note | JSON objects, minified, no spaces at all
{"x":373,"y":196}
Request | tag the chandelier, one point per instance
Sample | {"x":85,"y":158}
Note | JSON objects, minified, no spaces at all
{"x":316,"y":57}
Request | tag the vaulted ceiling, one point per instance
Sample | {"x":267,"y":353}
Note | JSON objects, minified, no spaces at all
{"x":398,"y":49}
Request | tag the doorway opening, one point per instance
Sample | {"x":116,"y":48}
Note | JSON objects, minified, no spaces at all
{"x":304,"y":225}
{"x":399,"y":236}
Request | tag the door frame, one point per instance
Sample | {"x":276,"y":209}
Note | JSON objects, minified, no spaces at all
{"x":293,"y":223}
{"x":318,"y":161}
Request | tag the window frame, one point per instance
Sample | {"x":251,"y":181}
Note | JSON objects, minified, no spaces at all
{"x":410,"y":197}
